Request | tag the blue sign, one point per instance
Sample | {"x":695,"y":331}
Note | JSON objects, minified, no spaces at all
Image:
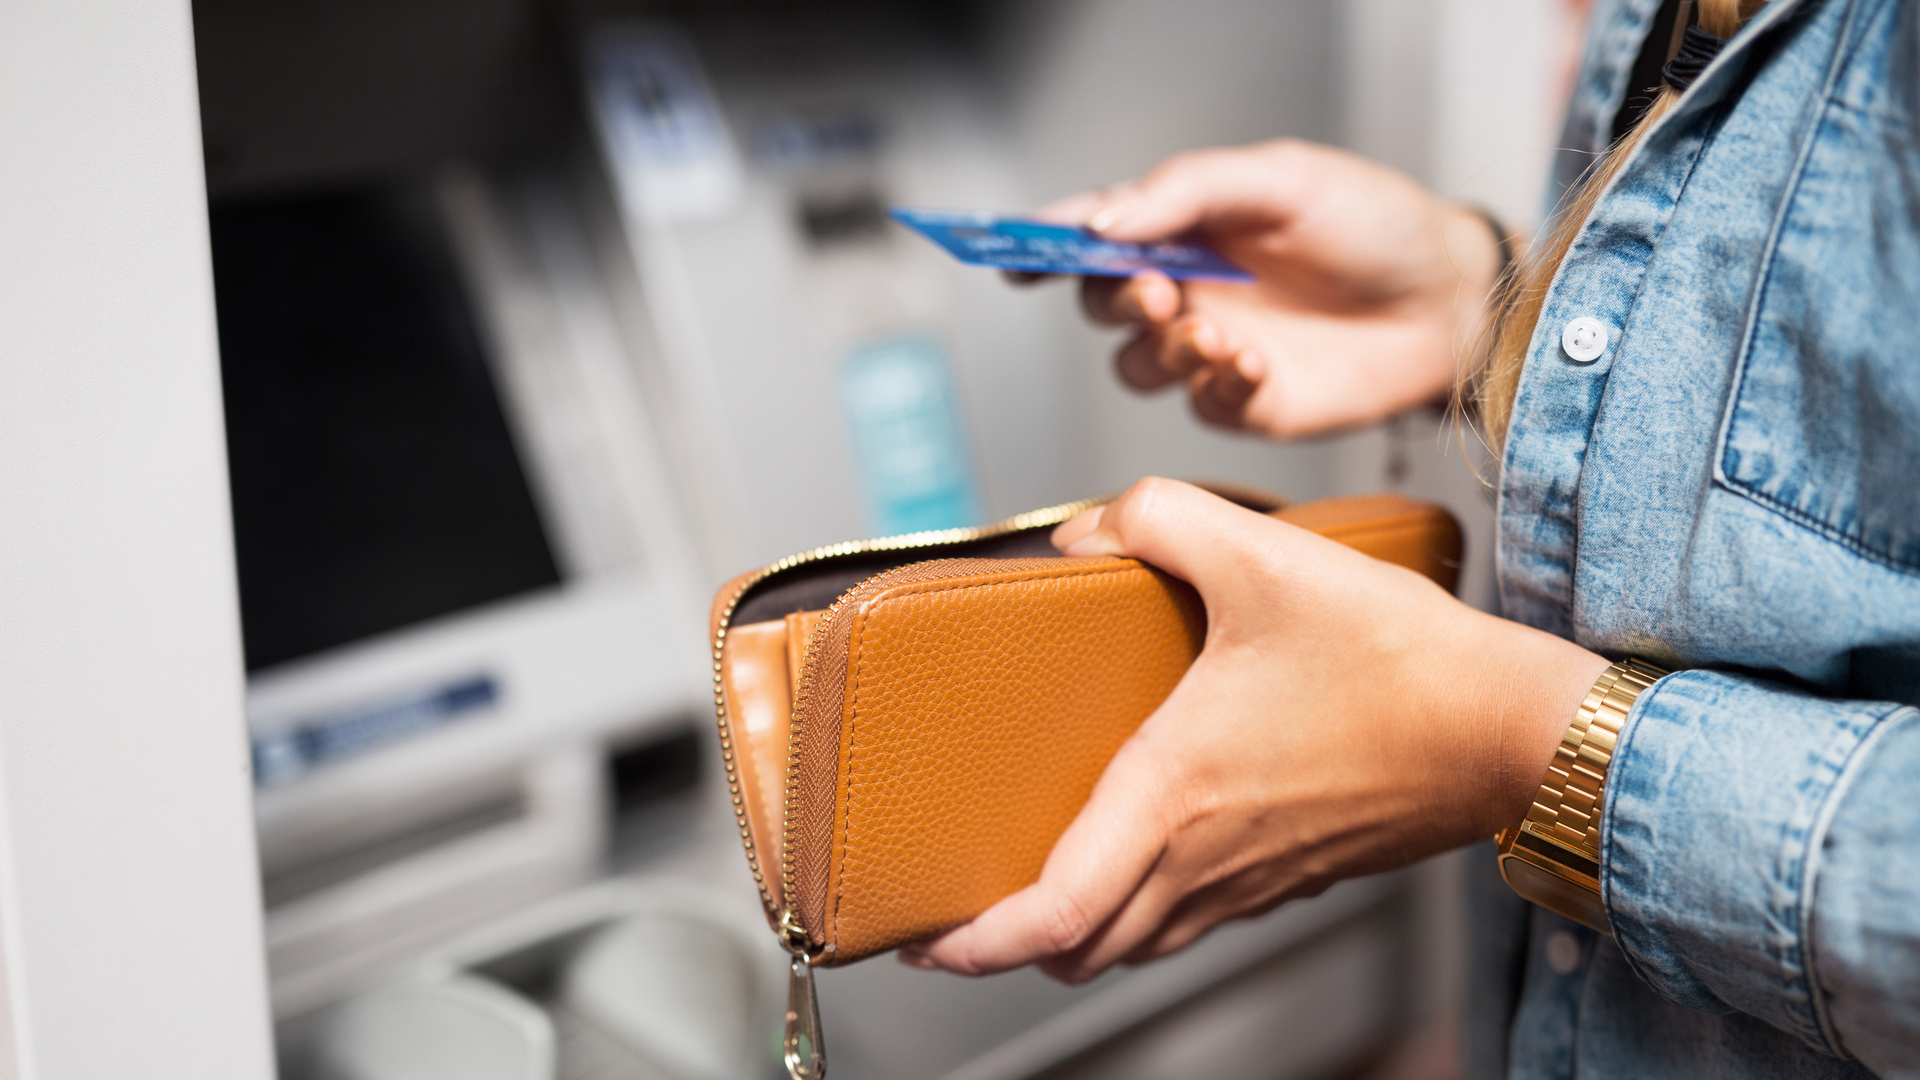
{"x":909,"y":448}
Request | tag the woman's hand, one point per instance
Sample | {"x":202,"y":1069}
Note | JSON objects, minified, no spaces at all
{"x":1345,"y":716}
{"x":1367,"y":287}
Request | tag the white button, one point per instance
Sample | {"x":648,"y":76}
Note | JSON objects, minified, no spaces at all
{"x":1585,"y":338}
{"x":1563,"y":952}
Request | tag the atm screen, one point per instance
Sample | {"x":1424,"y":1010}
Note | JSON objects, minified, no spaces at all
{"x":375,"y":482}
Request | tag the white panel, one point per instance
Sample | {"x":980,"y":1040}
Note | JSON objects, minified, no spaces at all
{"x":1386,"y":82}
{"x":128,"y":891}
{"x":1498,"y":102}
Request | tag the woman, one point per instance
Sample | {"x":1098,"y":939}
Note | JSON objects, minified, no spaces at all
{"x":1706,"y":399}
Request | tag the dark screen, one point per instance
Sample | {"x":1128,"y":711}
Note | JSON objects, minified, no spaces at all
{"x":374,"y":480}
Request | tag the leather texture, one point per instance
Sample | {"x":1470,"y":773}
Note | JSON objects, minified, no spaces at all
{"x":1393,"y":528}
{"x":837,"y":671}
{"x":978,"y":713}
{"x":953,"y":715}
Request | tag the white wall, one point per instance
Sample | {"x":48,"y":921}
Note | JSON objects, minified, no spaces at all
{"x":1464,"y":94}
{"x":129,"y":911}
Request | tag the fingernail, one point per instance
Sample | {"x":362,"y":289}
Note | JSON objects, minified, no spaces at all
{"x":1206,"y":339}
{"x":1097,"y":543}
{"x":1160,"y":296}
{"x":1108,"y":216}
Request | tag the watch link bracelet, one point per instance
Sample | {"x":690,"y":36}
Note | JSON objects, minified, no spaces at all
{"x":1552,"y":857}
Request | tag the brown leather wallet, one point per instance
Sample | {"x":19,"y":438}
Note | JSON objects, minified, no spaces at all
{"x":909,"y":723}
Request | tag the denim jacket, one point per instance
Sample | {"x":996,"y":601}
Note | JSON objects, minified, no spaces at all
{"x":1731,"y":489}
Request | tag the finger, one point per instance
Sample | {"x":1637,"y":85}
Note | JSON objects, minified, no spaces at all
{"x":1146,"y":299}
{"x":1024,"y":277}
{"x":1179,"y":901}
{"x":1192,"y":343}
{"x":1181,"y":897}
{"x":1135,"y":924}
{"x":1220,"y":393}
{"x":1078,"y":966}
{"x":1249,"y":894}
{"x":1138,"y":365}
{"x":1188,"y":190}
{"x":915,"y":957}
{"x":1242,"y":896}
{"x":1076,"y":527}
{"x":1152,"y":360}
{"x":1094,"y":869}
{"x":1181,"y":929}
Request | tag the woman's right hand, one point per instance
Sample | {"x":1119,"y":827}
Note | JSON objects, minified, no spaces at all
{"x":1367,"y":286}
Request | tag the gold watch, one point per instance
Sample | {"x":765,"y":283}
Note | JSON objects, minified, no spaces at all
{"x":1552,"y":857}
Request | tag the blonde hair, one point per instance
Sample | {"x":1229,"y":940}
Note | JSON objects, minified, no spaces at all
{"x":1521,"y":292}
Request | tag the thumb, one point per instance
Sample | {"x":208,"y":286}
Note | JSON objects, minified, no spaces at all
{"x":1075,"y":209}
{"x":1192,"y":534}
{"x":1191,"y":190}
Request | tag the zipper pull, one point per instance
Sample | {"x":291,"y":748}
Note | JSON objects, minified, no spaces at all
{"x":805,"y":1054}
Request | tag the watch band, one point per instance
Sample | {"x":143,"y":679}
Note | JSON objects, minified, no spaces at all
{"x":1552,"y":857}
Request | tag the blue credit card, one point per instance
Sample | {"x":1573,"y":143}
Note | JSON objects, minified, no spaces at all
{"x":1037,"y":247}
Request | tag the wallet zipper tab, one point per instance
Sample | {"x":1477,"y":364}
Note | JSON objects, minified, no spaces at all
{"x":801,"y":1045}
{"x":801,"y":1048}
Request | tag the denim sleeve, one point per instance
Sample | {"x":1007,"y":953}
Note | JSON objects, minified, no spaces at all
{"x":1866,"y":907}
{"x":1761,"y":852}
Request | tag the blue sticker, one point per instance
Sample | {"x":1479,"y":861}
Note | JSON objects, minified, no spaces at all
{"x":305,"y":745}
{"x":1042,"y":248}
{"x":908,"y":444}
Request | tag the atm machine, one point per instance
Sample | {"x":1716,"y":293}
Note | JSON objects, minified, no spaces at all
{"x":842,"y":377}
{"x":509,"y":392}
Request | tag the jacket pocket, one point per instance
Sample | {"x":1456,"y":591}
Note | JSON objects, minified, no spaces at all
{"x":1824,"y":422}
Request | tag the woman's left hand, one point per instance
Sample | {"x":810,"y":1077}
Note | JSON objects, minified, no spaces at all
{"x":1345,"y":716}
